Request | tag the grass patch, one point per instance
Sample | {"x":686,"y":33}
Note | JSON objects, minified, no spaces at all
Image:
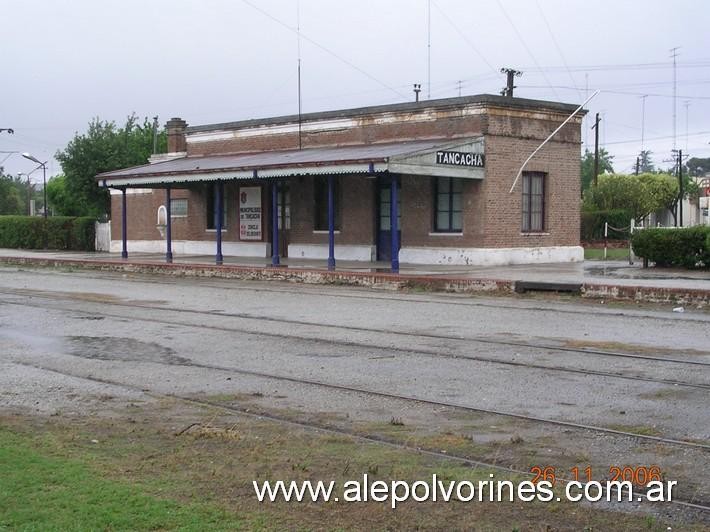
{"x":41,"y":492}
{"x":611,"y":253}
{"x":642,"y":430}
{"x":147,"y":473}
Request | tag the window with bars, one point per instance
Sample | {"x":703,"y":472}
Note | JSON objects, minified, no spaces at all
{"x":448,"y":205}
{"x":533,"y":202}
{"x":178,"y":208}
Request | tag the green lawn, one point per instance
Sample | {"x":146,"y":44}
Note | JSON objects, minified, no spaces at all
{"x":611,"y":253}
{"x":40,"y":492}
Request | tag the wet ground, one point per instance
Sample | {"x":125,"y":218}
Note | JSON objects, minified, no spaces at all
{"x":599,"y":272}
{"x":359,"y":359}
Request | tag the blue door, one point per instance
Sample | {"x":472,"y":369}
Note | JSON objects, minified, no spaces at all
{"x":384,"y":227}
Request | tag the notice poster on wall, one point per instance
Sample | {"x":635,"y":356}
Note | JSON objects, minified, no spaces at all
{"x":250,"y":213}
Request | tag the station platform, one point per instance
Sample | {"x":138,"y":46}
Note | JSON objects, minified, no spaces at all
{"x":616,"y":279}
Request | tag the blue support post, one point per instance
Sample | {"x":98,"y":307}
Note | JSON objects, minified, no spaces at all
{"x":394,"y":226}
{"x":168,"y":227}
{"x":219,"y":258}
{"x":331,"y":224}
{"x":124,"y":225}
{"x":275,"y":259}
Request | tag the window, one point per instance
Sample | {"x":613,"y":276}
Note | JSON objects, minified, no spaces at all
{"x":533,"y":202}
{"x":211,"y":202}
{"x":178,"y":208}
{"x":448,"y":215}
{"x":284,"y":207}
{"x":320,"y":194}
{"x":386,"y":206}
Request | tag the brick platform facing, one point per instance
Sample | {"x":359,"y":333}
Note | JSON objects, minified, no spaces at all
{"x":699,"y":298}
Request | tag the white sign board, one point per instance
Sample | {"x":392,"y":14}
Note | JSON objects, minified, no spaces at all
{"x":250,"y":213}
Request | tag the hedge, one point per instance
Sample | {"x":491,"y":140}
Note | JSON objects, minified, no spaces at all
{"x":60,"y":232}
{"x":688,"y":247}
{"x":592,"y":227}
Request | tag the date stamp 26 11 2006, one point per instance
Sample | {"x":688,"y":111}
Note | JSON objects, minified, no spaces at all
{"x":637,"y":475}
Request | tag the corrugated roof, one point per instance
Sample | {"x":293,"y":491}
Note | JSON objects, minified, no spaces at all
{"x":343,"y":155}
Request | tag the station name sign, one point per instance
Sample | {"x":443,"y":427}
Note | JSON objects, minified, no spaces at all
{"x":458,"y":158}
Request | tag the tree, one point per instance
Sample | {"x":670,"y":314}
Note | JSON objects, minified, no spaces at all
{"x":645,"y":163}
{"x":698,"y":166}
{"x":58,"y":197}
{"x":104,"y":147}
{"x":639,"y":195}
{"x":10,"y":200}
{"x":605,"y":166}
{"x":662,"y":189}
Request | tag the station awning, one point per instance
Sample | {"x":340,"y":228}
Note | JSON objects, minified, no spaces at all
{"x":462,"y":158}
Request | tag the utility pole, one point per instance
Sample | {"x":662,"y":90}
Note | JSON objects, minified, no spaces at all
{"x":417,"y":90}
{"x":511,"y":74}
{"x":298,"y":51}
{"x":674,"y":55}
{"x":638,"y":163}
{"x":680,"y":186}
{"x":428,"y":51}
{"x":643,"y":118}
{"x":687,"y":105}
{"x":155,"y":134}
{"x":585,"y":120}
{"x":596,"y":149}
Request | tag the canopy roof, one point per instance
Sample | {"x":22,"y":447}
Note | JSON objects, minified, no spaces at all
{"x":464,"y":159}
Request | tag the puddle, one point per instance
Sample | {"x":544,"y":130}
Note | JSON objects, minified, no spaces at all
{"x":32,"y":339}
{"x":122,"y":349}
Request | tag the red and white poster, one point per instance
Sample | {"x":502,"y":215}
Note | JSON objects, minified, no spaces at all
{"x":250,"y":213}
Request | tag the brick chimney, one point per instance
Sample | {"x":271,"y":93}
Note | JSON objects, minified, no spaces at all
{"x":176,"y":135}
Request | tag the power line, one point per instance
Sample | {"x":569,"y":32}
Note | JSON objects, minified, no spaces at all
{"x":522,"y":41}
{"x":621,"y":66}
{"x":559,"y":50}
{"x":465,"y":38}
{"x":610,"y":91}
{"x":325,"y":49}
{"x":665,"y":137}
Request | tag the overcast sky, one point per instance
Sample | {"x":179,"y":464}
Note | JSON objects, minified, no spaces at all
{"x":65,"y":61}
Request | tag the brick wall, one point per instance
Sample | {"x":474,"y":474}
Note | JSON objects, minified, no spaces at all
{"x":143,"y":214}
{"x":492,"y":216}
{"x":408,"y":126}
{"x":514,"y":139}
{"x":357,"y":204}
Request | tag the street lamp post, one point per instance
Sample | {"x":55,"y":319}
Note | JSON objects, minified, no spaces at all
{"x":43,"y":165}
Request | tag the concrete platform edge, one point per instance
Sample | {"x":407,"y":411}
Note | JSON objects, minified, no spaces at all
{"x":609,"y":291}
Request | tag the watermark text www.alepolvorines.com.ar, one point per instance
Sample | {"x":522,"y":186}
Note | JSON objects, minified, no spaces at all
{"x":394,"y":492}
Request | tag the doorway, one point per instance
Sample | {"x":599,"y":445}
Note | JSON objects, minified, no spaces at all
{"x":284,"y":217}
{"x":384,"y":226}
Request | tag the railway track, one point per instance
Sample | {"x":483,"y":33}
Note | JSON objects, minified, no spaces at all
{"x":701,"y":506}
{"x":377,"y":393}
{"x":353,"y":292}
{"x":370,"y":345}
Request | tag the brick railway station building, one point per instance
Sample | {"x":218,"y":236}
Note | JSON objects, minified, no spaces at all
{"x":329,"y":186}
